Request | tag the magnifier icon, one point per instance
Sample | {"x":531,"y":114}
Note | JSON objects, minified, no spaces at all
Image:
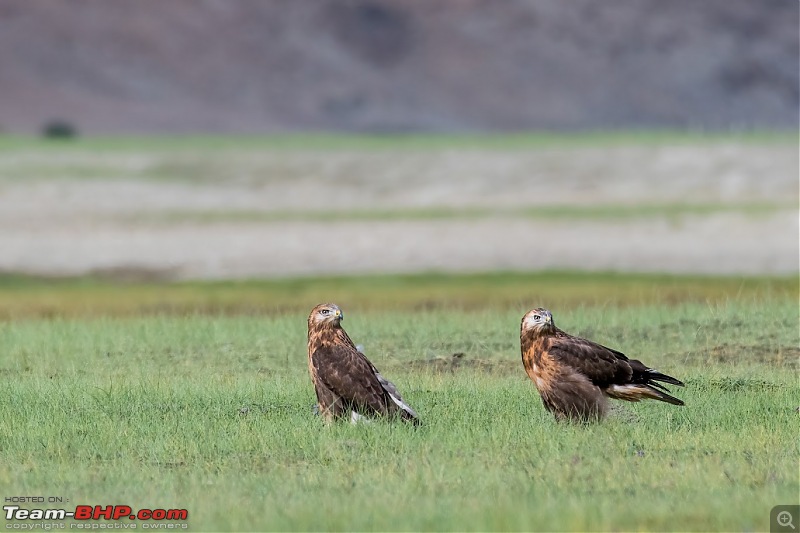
{"x":784,"y":519}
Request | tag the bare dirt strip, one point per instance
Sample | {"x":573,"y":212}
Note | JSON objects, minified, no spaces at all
{"x":252,"y":214}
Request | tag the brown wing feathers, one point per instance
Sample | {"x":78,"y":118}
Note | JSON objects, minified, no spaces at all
{"x":601,"y":365}
{"x":348,"y":376}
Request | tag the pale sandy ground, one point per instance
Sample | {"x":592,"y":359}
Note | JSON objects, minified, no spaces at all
{"x":55,"y":220}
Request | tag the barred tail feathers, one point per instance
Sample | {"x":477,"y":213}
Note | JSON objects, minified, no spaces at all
{"x":637,"y":392}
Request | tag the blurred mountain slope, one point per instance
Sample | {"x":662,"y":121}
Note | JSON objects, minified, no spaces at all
{"x":147,"y":66}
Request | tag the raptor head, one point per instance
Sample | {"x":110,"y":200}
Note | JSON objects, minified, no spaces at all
{"x":537,"y":320}
{"x":325,"y":314}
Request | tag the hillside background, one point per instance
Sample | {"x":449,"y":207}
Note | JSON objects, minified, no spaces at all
{"x":255,"y":66}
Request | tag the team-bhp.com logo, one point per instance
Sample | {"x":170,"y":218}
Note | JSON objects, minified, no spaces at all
{"x":161,"y":517}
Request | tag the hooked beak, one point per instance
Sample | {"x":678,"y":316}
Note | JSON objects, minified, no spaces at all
{"x":338,"y":314}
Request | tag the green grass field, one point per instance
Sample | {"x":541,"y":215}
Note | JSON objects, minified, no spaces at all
{"x":196,"y":396}
{"x":338,"y":141}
